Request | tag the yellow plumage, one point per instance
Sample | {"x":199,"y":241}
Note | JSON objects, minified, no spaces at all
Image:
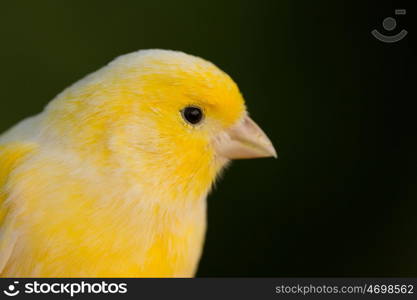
{"x":110,"y":180}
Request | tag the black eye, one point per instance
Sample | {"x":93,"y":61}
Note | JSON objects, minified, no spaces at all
{"x":192,"y":114}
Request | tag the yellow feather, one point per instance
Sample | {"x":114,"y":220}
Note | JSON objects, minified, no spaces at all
{"x":11,"y":156}
{"x":117,"y":185}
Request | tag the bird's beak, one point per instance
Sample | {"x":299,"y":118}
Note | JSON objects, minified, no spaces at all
{"x":244,"y":140}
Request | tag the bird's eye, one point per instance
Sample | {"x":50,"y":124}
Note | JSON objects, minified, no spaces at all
{"x":192,"y":114}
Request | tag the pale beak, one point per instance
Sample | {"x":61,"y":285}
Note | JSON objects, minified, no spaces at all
{"x":244,"y":140}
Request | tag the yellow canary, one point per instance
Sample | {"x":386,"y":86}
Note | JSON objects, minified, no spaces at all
{"x":111,"y":179}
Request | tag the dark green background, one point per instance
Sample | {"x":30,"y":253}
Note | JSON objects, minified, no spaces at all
{"x":341,"y":199}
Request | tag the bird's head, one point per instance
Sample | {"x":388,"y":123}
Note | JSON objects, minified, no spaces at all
{"x":161,"y":108}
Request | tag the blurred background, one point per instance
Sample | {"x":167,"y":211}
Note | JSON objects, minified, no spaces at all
{"x":342,"y":198}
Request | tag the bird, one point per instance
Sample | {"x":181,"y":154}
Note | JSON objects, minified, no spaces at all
{"x":111,"y":178}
